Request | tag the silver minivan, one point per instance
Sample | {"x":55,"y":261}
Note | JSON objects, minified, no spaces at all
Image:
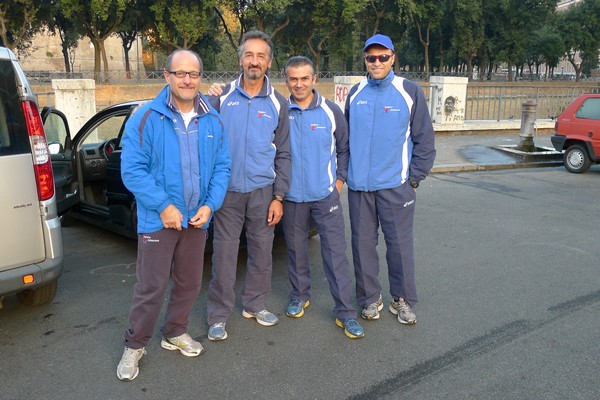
{"x":31,"y":248}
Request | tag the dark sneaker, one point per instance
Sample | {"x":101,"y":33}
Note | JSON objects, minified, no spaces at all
{"x":352,"y":328}
{"x":217,"y":332}
{"x":263,"y":317}
{"x":184,"y":343}
{"x":128,"y":369}
{"x":372,"y":310}
{"x":296,"y":308}
{"x":402,"y":309}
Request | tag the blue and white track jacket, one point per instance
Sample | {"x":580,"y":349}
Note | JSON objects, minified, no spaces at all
{"x":319,"y":146}
{"x":390,"y":133}
{"x":258,"y":132}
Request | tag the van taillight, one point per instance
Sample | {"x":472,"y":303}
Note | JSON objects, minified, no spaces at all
{"x":42,"y":164}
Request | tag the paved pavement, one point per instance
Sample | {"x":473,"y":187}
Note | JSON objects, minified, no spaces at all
{"x":490,"y":146}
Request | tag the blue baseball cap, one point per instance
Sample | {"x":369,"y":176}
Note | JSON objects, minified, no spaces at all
{"x":381,"y":40}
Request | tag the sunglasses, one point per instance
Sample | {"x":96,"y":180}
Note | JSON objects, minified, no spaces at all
{"x":382,"y":58}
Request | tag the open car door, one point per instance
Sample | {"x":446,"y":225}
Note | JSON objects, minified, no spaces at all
{"x":58,"y":136}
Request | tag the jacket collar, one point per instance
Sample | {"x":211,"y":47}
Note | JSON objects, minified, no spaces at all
{"x":381,"y":82}
{"x":316,"y":102}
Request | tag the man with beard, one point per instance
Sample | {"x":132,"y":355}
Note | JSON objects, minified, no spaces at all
{"x":257,"y":126}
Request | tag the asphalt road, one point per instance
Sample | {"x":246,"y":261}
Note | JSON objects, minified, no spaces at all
{"x":507,"y":268}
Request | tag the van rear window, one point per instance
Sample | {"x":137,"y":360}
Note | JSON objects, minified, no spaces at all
{"x":14,"y":138}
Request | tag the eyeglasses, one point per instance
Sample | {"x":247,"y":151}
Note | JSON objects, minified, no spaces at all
{"x":182,"y":74}
{"x":382,"y":58}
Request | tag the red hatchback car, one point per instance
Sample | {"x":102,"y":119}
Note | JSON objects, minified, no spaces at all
{"x":577,"y":132}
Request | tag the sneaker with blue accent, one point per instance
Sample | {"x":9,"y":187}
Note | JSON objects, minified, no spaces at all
{"x":372,"y":310}
{"x":296,"y":308}
{"x":128,"y":369}
{"x":217,"y":332}
{"x":352,"y":328}
{"x":184,"y":343}
{"x":403,"y":310}
{"x":264,"y":317}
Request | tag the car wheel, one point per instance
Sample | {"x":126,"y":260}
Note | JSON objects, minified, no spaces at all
{"x":576,"y":159}
{"x":41,"y":295}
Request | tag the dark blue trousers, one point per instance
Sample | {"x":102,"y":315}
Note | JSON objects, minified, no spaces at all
{"x":394,"y":209}
{"x":329,"y":217}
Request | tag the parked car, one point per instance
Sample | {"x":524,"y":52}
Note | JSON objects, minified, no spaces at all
{"x":87,"y":170}
{"x":31,"y":245}
{"x":577,"y":132}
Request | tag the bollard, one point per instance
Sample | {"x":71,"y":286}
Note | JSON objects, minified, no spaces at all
{"x":528,"y":109}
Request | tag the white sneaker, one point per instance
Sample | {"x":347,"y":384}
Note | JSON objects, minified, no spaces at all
{"x":184,"y":343}
{"x":128,"y":369}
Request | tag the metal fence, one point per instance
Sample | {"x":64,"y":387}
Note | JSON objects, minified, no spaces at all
{"x":41,"y":77}
{"x":503,"y":102}
{"x":485,"y":101}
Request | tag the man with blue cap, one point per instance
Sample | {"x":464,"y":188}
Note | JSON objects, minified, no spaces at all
{"x":392,"y":149}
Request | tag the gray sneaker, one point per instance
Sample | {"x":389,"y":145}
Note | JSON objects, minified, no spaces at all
{"x":217,"y":332}
{"x":402,"y":309}
{"x":263,"y":317}
{"x":128,"y":369}
{"x":184,"y":343}
{"x":372,"y":310}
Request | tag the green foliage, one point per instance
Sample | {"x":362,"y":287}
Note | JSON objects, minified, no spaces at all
{"x":20,"y":20}
{"x":181,"y":23}
{"x":456,"y":34}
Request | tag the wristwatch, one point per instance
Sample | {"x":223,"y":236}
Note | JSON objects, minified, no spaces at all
{"x":414,"y":184}
{"x":278,"y":198}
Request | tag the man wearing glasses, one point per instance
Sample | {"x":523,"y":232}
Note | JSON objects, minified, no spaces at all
{"x":176,"y":162}
{"x":391,"y":150}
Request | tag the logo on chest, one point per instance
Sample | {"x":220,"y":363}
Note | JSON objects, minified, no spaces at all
{"x":263,"y":114}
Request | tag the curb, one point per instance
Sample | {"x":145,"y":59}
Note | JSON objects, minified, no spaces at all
{"x":449,"y":168}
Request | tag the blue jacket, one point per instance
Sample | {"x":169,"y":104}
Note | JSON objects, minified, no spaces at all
{"x":258,"y":132}
{"x":151,"y":167}
{"x":319,"y":147}
{"x":391,"y":135}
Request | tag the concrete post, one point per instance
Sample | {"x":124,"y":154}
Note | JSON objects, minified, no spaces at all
{"x":528,"y":110}
{"x":448,"y":100}
{"x":76,"y":98}
{"x":342,"y":85}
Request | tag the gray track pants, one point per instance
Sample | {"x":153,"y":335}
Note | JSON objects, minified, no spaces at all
{"x":239,"y":210}
{"x":165,"y":254}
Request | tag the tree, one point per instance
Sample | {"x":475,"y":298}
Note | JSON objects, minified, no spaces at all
{"x":181,"y":23}
{"x":468,"y":34}
{"x":426,"y":15}
{"x":20,"y":20}
{"x":580,"y":43}
{"x":62,"y":26}
{"x":269,"y":16}
{"x":98,"y":20}
{"x":550,"y":47}
{"x":134,"y":22}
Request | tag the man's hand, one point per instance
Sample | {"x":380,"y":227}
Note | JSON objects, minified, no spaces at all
{"x":275,"y":213}
{"x":201,"y":217}
{"x":171,"y":217}
{"x":339,"y":184}
{"x":215,"y":89}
